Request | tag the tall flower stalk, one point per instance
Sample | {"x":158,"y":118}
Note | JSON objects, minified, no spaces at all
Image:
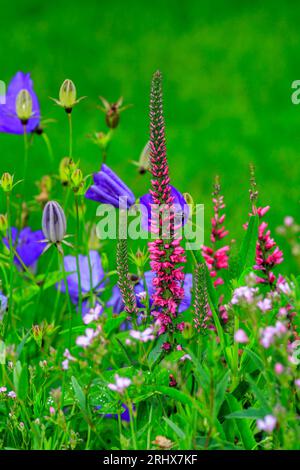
{"x":124,"y":283}
{"x":216,"y":258}
{"x":202,"y":313}
{"x":166,"y":254}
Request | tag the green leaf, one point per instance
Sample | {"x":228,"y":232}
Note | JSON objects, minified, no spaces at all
{"x":79,"y":394}
{"x":176,"y":394}
{"x":242,"y":425}
{"x":220,"y":393}
{"x":175,"y":428}
{"x":246,"y":256}
{"x":20,"y":379}
{"x":249,"y":413}
{"x":156,"y":353}
{"x":200,"y":373}
{"x":24,"y":294}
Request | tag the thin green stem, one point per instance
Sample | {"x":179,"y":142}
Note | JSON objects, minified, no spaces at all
{"x":77,"y":254}
{"x":48,"y":145}
{"x":25,"y":156}
{"x":70,"y":135}
{"x":11,"y":257}
{"x":61,"y":262}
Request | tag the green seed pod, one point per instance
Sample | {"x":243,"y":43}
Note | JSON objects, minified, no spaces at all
{"x":67,"y":95}
{"x":24,"y":106}
{"x":76,"y":178}
{"x":7,"y":182}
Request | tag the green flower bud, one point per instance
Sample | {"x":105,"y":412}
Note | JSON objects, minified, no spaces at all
{"x":76,"y":178}
{"x":46,"y":183}
{"x":7,"y":182}
{"x":3,"y":223}
{"x":188,"y":199}
{"x":64,"y":171}
{"x":24,"y":106}
{"x":67,"y":95}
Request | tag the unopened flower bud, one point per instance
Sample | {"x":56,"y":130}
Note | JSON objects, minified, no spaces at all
{"x":3,"y":223}
{"x":112,"y":112}
{"x":76,"y":178}
{"x":46,"y":183}
{"x":188,"y":199}
{"x":67,"y":95}
{"x":54,"y":222}
{"x":64,"y":170}
{"x":7,"y":182}
{"x":24,"y":106}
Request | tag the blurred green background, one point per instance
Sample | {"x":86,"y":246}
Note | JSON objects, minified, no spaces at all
{"x":228,"y":68}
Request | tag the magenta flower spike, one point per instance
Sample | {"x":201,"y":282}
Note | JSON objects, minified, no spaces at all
{"x":166,"y":254}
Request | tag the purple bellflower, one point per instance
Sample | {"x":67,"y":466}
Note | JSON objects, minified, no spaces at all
{"x":9,"y":121}
{"x":108,"y":188}
{"x":3,"y":304}
{"x":94,"y":281}
{"x":181,"y":209}
{"x":28,"y":245}
{"x":116,"y":300}
{"x":125,"y":415}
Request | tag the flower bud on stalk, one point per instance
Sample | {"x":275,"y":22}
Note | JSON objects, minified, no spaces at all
{"x":112,"y":111}
{"x":54,"y":222}
{"x":67,"y":96}
{"x":24,"y":106}
{"x":6,"y":182}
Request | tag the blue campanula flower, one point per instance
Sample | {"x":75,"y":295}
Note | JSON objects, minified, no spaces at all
{"x":9,"y":121}
{"x":3,"y":305}
{"x":28,"y":245}
{"x":181,"y":208}
{"x":116,"y":300}
{"x":94,"y":281}
{"x":108,"y":188}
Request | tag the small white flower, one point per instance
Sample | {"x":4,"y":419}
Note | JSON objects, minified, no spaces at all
{"x":241,"y":337}
{"x":121,"y":383}
{"x":244,"y":294}
{"x":143,"y":336}
{"x":267,"y":424}
{"x":93,"y":314}
{"x":87,"y":339}
{"x":264,"y":305}
{"x":186,"y":357}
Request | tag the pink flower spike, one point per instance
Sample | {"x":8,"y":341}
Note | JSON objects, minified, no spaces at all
{"x":52,"y":410}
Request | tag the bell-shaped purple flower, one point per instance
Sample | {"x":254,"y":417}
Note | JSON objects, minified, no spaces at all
{"x":116,"y":300}
{"x":54,"y":222}
{"x":148,"y":208}
{"x":3,"y":304}
{"x":108,"y":188}
{"x":91,"y":275}
{"x":9,"y":121}
{"x":28,"y":245}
